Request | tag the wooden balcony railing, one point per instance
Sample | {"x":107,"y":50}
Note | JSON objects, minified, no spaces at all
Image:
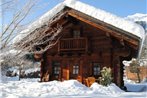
{"x":73,"y":44}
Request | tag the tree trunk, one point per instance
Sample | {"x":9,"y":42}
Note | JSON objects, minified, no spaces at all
{"x":138,"y":71}
{"x":19,"y":73}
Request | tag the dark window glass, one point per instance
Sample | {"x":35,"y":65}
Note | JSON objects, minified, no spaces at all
{"x":56,"y":69}
{"x":76,"y":33}
{"x":76,"y":69}
{"x":96,"y":68}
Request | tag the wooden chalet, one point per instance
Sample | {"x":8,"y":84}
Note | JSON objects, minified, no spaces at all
{"x":86,"y":45}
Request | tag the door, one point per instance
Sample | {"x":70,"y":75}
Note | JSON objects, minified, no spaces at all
{"x":65,"y":74}
{"x":65,"y":69}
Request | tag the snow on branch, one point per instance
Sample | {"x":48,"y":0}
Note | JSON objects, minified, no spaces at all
{"x":19,"y":15}
{"x":43,"y":38}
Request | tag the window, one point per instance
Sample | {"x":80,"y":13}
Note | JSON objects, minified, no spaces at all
{"x":56,"y":69}
{"x":96,"y":69}
{"x":76,"y":69}
{"x":76,"y":33}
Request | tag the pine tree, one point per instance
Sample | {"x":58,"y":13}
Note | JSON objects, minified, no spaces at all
{"x":106,"y":78}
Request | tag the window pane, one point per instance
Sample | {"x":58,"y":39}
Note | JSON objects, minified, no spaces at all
{"x":76,"y":33}
{"x":96,"y":68}
{"x":75,"y":69}
{"x":56,"y":68}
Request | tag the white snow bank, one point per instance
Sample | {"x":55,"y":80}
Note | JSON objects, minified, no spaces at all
{"x":111,"y":89}
{"x":31,"y":88}
{"x":99,"y":14}
{"x":135,"y":87}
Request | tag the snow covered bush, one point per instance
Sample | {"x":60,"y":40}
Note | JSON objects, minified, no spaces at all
{"x":106,"y":78}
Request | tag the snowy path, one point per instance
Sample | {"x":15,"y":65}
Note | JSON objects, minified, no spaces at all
{"x":30,"y":88}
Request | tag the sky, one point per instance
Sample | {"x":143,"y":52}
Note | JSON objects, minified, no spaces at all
{"x":121,"y":8}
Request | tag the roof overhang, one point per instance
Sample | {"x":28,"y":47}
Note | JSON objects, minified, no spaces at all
{"x":119,"y":34}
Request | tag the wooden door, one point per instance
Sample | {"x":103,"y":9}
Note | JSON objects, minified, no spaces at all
{"x":65,"y":74}
{"x":65,"y":69}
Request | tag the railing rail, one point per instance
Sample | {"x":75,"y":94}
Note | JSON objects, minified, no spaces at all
{"x":73,"y":44}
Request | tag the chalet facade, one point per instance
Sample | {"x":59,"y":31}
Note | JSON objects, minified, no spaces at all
{"x":86,"y":44}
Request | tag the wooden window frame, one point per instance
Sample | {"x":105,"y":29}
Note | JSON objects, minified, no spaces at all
{"x":76,"y":33}
{"x":96,"y":67}
{"x":75,"y":69}
{"x":56,"y":68}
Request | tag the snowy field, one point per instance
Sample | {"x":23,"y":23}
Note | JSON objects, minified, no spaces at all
{"x":31,"y":88}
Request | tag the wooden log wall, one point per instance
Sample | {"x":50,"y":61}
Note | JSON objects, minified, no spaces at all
{"x":102,"y":49}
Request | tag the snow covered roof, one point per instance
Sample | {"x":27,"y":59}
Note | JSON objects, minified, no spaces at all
{"x":96,"y":13}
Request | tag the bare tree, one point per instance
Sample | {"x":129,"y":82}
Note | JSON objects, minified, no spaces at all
{"x":12,"y":27}
{"x":14,"y":14}
{"x":30,"y":42}
{"x":42,"y":38}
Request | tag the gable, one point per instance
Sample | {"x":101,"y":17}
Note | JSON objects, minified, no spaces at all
{"x":109,"y":29}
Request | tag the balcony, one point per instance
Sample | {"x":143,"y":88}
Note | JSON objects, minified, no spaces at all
{"x":73,"y":44}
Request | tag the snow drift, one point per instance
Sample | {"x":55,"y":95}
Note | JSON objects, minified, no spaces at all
{"x":32,"y":88}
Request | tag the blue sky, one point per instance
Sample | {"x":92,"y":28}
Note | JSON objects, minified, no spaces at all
{"x":120,"y":8}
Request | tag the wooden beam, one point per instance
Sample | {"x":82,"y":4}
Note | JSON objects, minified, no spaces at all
{"x":98,"y":26}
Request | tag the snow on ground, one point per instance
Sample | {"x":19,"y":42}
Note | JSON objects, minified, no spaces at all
{"x":135,"y":87}
{"x":31,"y":88}
{"x":30,"y":70}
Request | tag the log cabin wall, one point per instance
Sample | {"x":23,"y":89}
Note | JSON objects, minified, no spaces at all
{"x":82,"y":52}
